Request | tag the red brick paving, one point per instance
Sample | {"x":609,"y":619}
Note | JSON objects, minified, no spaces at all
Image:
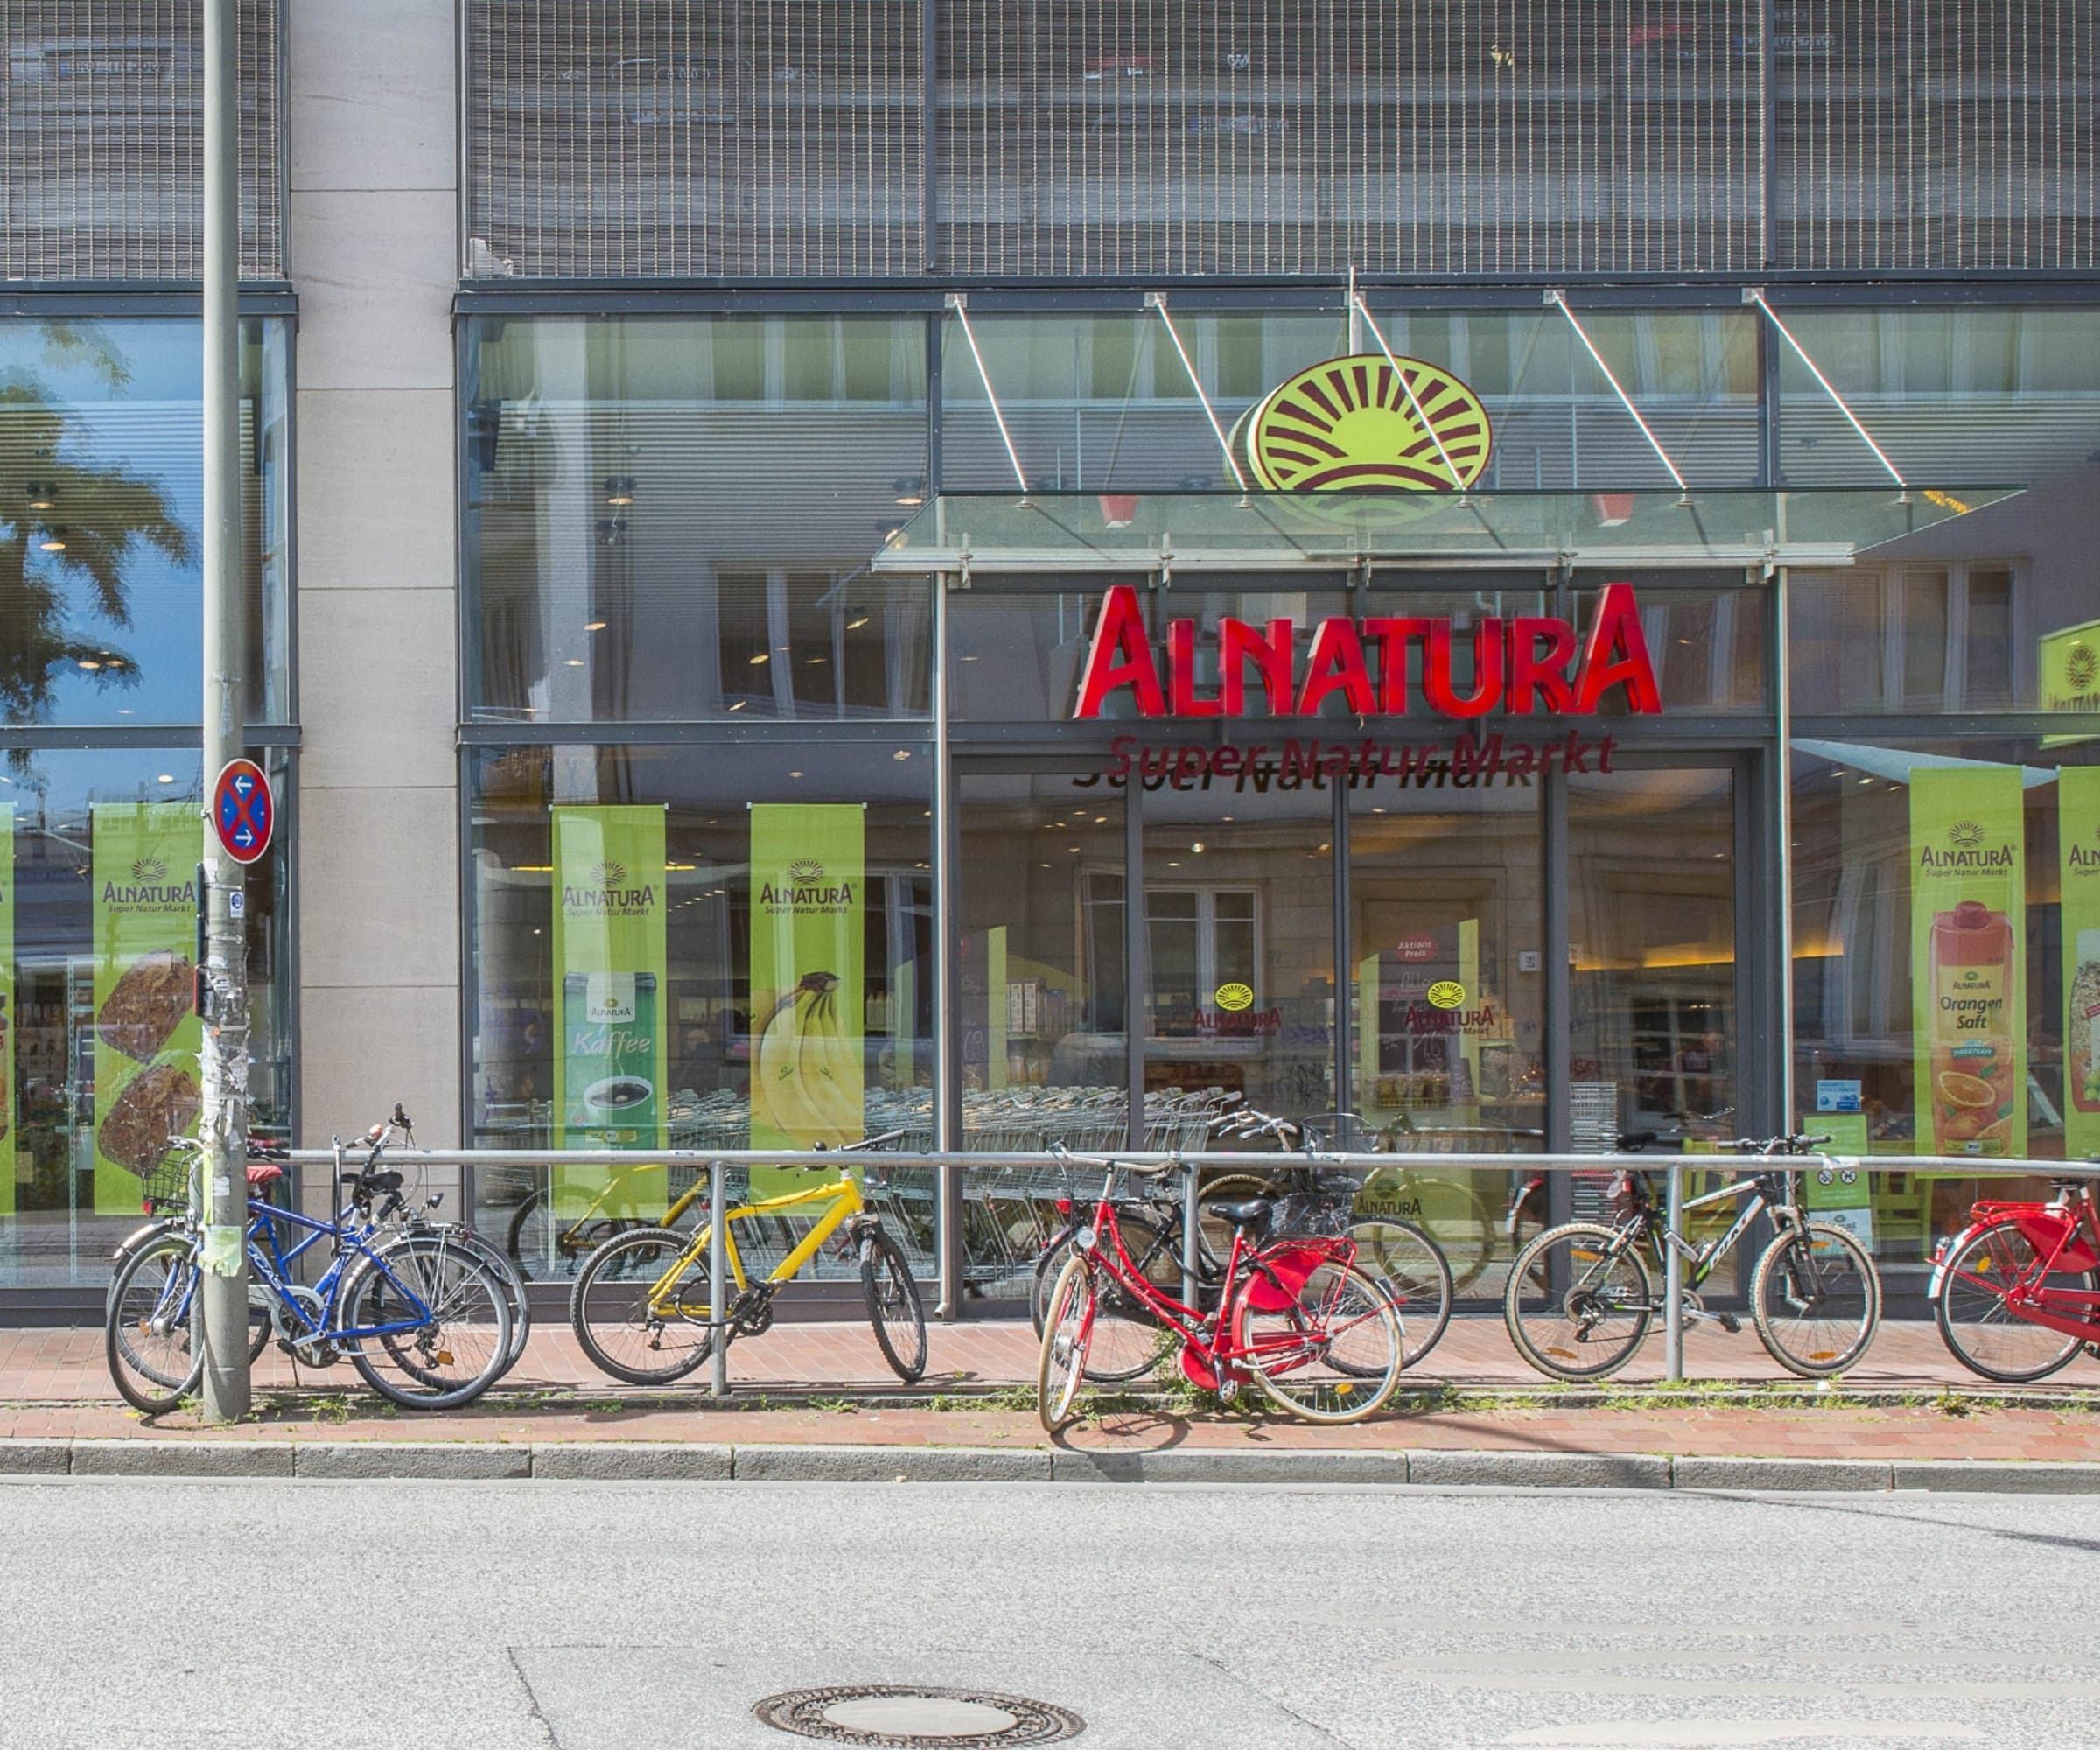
{"x":53,"y":1385}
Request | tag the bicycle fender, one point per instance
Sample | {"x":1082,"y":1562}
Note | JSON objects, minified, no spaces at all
{"x":1937,"y":1281}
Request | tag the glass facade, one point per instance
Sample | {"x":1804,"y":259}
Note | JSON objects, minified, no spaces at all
{"x":101,"y":667}
{"x":751,"y":536}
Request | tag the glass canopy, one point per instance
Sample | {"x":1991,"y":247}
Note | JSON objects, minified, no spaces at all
{"x":1268,"y":531}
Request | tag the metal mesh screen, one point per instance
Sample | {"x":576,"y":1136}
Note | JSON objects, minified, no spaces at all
{"x":1267,"y":137}
{"x":694,"y":137}
{"x":101,"y":141}
{"x":782,"y":138}
{"x":1941,"y":133}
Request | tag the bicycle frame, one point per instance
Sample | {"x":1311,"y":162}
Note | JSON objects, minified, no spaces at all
{"x":1702,"y":1260}
{"x":272,"y":1269}
{"x":842,"y":1194}
{"x":2028,"y":1297}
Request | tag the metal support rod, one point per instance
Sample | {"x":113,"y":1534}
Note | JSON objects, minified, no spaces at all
{"x":1156,"y":300}
{"x":222,"y":1301}
{"x":957,"y":302}
{"x":1413,"y":401}
{"x":1559,"y":299}
{"x":717,"y":1278}
{"x":1755,"y":295}
{"x":948,"y":1179}
{"x":1673,"y":1281}
{"x":1782,"y":783}
{"x":1192,"y":1238}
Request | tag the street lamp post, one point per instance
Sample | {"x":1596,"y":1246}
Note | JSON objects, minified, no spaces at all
{"x":223,"y":1302}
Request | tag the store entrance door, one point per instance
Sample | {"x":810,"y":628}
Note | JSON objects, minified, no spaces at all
{"x":1656,"y":1044}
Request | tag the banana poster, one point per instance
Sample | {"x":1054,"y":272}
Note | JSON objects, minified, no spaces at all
{"x":809,"y":880}
{"x":2078,"y":836}
{"x":1968,"y":960}
{"x":610,"y":1062}
{"x":146,"y":1030}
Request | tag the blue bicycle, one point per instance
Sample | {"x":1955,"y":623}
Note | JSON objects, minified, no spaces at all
{"x":424,"y":1320}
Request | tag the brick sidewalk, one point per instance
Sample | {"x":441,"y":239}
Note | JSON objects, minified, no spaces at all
{"x":53,"y":1385}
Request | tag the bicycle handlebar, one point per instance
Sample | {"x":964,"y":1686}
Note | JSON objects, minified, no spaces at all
{"x":1110,"y":1164}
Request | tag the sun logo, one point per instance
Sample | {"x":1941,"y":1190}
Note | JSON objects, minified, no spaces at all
{"x":609,"y":874}
{"x":2082,"y":667}
{"x":1366,"y":421}
{"x":147,"y":869}
{"x":1965,"y":835}
{"x":804,"y":870}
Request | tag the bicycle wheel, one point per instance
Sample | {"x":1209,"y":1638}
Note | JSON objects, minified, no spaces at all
{"x":1062,"y":1361}
{"x":544,"y":1249}
{"x":1215,"y":1235}
{"x":1815,"y":1300}
{"x":512,"y":1281}
{"x":1415,"y":1275}
{"x":1455,"y":1215}
{"x":1128,"y":1343}
{"x":1577,"y":1308}
{"x":894,"y":1309}
{"x":631,"y":1335}
{"x":1324,"y":1344}
{"x":146,"y":1325}
{"x":457,"y":1346}
{"x":1983,"y":1332}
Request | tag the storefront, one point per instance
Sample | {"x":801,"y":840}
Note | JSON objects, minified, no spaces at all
{"x":1461,"y":810}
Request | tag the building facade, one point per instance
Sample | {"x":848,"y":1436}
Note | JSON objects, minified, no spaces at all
{"x":787,"y":597}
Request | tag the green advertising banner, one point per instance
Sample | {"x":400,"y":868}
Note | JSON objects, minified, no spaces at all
{"x":809,"y":880}
{"x":1968,"y":960}
{"x":612,"y":1054}
{"x":147,"y":1035}
{"x":2078,"y":834}
{"x":2069,"y":664}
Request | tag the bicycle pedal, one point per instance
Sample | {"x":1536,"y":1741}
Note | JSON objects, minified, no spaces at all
{"x":1729,"y":1323}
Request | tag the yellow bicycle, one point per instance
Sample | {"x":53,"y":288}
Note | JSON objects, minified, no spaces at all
{"x":641,"y":1306}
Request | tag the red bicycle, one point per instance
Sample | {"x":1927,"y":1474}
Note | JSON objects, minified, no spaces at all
{"x":2016,"y":1292}
{"x":1295,"y":1315}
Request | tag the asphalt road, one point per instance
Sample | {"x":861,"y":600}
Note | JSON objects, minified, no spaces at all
{"x":307,"y":1615}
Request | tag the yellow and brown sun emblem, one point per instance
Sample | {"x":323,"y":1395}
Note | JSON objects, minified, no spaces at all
{"x":1356,"y":423}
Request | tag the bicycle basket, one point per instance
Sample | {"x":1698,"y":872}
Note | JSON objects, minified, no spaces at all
{"x":168,"y":1179}
{"x":1312,"y":1213}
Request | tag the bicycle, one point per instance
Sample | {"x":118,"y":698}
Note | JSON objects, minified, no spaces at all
{"x":1294,"y":1315}
{"x":1580,"y":1300}
{"x":1400,"y":1254}
{"x":2016,"y":1293}
{"x":421,"y":1300}
{"x":641,"y":1306}
{"x":538,"y":1236}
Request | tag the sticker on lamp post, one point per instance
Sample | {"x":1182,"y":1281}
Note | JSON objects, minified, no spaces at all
{"x":242,"y":813}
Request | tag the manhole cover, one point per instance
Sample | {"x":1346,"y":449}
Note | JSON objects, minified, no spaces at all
{"x":899,"y":1716}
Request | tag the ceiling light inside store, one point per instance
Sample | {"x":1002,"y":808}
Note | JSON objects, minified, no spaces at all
{"x":855,"y":625}
{"x":1101,"y":820}
{"x":739,"y":704}
{"x":166,"y":778}
{"x":1173,"y":865}
{"x":51,"y":543}
{"x":620,"y":489}
{"x":576,"y":662}
{"x":1197,"y":846}
{"x":89,"y":664}
{"x":902,"y":754}
{"x":763,"y":656}
{"x":594,"y":626}
{"x":795,"y":775}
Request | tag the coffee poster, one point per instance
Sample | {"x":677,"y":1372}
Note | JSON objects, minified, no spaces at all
{"x":612,"y":1060}
{"x":2078,"y":838}
{"x":809,"y":881}
{"x":147,"y":1035}
{"x":1968,"y":960}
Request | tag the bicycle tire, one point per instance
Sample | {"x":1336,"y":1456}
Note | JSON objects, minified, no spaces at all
{"x":1407,"y":1261}
{"x":1539,"y":1321}
{"x":896,"y":1313}
{"x":454,"y":1355}
{"x":1973,"y":1317}
{"x":609,"y":1310}
{"x":1127,"y":1343}
{"x":1061,"y":1357}
{"x":1294,"y":1354}
{"x":541,"y":1251}
{"x":1466,"y":1234}
{"x":505,"y":1271}
{"x":1818,"y":1347}
{"x":1214,"y":1236}
{"x":146,"y":1327}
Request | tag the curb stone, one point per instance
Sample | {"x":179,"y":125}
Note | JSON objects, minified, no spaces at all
{"x":1539,"y":1470}
{"x":1848,"y":1475}
{"x":30,"y":1459}
{"x":890,"y":1463}
{"x":619,"y":1461}
{"x":182,"y":1457}
{"x":348,"y":1459}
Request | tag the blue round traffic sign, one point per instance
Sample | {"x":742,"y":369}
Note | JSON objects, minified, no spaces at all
{"x":242,"y":814}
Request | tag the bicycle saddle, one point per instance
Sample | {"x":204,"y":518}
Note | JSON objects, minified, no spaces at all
{"x":263,"y":1173}
{"x":1246,"y":1214}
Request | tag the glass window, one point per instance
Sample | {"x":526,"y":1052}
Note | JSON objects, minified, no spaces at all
{"x":618,"y":803}
{"x":102,"y":502}
{"x":98,"y":893}
{"x":1880,"y":831}
{"x":671,"y":519}
{"x":1105,"y":403}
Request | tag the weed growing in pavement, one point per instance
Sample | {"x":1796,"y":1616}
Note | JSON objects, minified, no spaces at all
{"x":335,"y":1409}
{"x":833,"y":1406}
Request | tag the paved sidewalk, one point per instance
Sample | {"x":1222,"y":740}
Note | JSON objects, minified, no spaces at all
{"x":1476,"y":1397}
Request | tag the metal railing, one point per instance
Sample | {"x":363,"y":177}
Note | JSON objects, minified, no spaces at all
{"x":717,"y":1164}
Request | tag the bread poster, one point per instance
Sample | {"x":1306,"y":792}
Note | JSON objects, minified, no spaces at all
{"x":146,"y":1035}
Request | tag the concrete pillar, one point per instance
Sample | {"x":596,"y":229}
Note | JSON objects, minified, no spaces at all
{"x":372,"y":134}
